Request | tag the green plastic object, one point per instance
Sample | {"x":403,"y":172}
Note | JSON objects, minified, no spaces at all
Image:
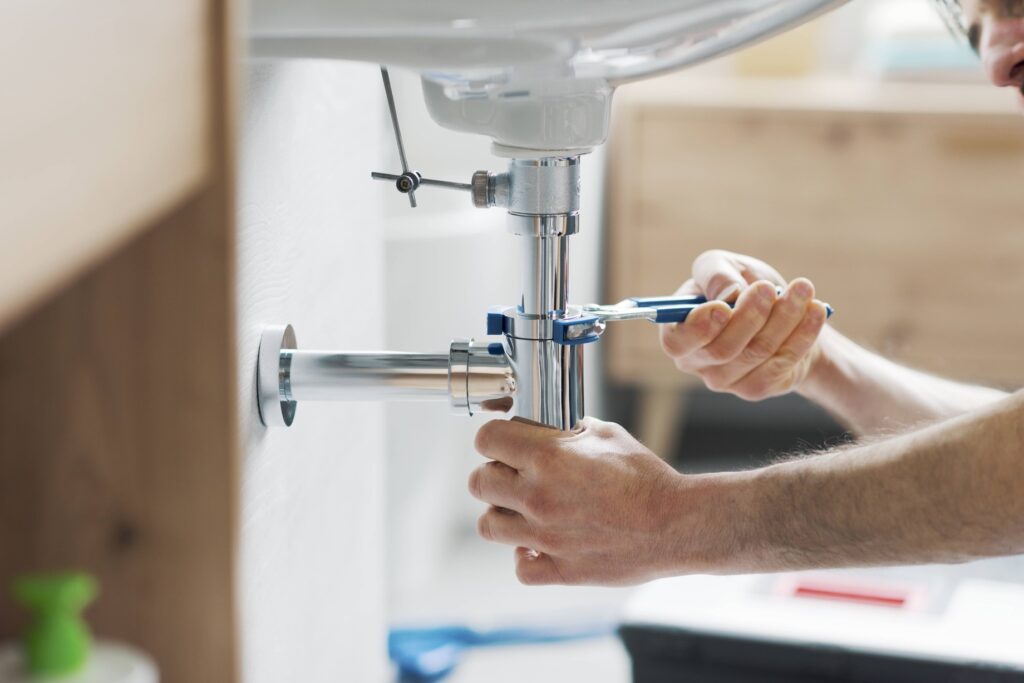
{"x":57,"y":641}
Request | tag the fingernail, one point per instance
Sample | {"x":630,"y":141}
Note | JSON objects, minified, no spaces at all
{"x":720,"y":316}
{"x":801,"y":291}
{"x":729,"y":293}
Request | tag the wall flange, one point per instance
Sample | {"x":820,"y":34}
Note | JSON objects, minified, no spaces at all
{"x":274,"y":412}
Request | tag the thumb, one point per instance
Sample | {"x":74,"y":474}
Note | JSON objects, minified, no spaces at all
{"x":536,"y":569}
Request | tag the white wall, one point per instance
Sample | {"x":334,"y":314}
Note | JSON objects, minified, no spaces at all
{"x":310,"y":253}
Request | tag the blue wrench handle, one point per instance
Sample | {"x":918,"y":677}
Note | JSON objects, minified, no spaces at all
{"x":670,"y":309}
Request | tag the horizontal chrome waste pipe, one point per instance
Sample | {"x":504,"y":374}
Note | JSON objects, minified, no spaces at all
{"x":471,"y":377}
{"x":357,"y":376}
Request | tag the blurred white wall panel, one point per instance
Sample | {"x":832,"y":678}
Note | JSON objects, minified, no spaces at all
{"x":310,"y":254}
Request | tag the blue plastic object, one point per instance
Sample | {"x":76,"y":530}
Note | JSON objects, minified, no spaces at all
{"x":673,"y":309}
{"x":673,"y":314}
{"x":424,"y":655}
{"x":495,"y":321}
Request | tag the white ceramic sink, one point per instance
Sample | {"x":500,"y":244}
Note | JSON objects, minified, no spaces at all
{"x":532,"y":74}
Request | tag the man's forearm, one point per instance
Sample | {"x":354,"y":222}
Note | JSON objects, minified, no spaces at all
{"x":870,"y":394}
{"x":951,"y":492}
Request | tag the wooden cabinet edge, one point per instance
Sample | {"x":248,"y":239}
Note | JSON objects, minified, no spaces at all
{"x":23,"y":294}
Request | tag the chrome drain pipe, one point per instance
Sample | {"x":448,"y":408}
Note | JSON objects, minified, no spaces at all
{"x":472,"y":377}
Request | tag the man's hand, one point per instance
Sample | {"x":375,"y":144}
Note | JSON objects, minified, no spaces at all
{"x":596,"y":507}
{"x":765,"y":346}
{"x":592,"y":506}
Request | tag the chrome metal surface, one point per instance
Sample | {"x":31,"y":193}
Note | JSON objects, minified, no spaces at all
{"x":525,"y":225}
{"x":581,"y":330}
{"x":542,"y":379}
{"x":549,"y":381}
{"x":572,"y":386}
{"x":527,"y":328}
{"x":544,"y":272}
{"x":626,"y":310}
{"x":490,"y":189}
{"x":479,"y":379}
{"x":274,"y":409}
{"x":448,"y":184}
{"x":473,"y":377}
{"x":365,"y":376}
{"x":543,"y":204}
{"x":398,"y":133}
{"x":544,"y":186}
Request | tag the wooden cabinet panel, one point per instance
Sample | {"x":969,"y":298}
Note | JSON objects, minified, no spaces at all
{"x":119,"y":451}
{"x":103,"y":125}
{"x":907,"y":218}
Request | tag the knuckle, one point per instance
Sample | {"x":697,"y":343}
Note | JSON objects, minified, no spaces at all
{"x":780,"y":373}
{"x":720,"y":353}
{"x":614,"y":429}
{"x":718,"y":282}
{"x":786,"y":358}
{"x":789,"y":311}
{"x":762,"y":300}
{"x":547,"y":452}
{"x":769,"y":373}
{"x":770,"y":380}
{"x":683,"y":365}
{"x":752,"y":390}
{"x":671,"y":344}
{"x":714,"y":381}
{"x":817,"y":316}
{"x":538,"y":504}
{"x":543,"y":464}
{"x":484,"y":528}
{"x":476,"y":483}
{"x":745,"y":394}
{"x":483,"y":440}
{"x":780,"y":368}
{"x":758,"y":350}
{"x":548,"y":541}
